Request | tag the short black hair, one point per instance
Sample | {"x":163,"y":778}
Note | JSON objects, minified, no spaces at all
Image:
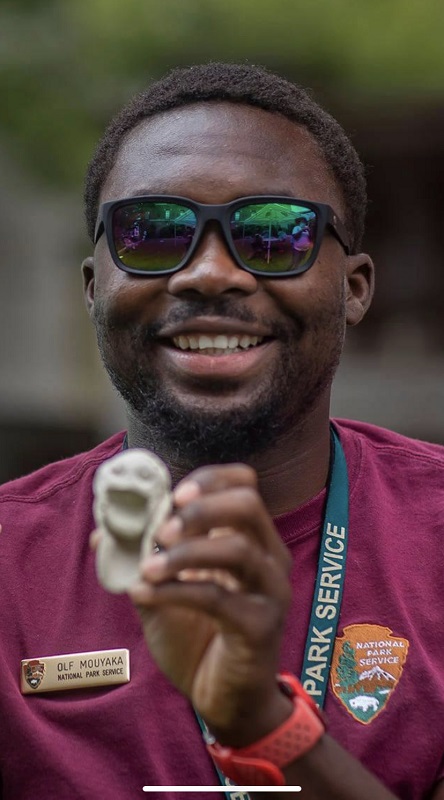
{"x":249,"y":85}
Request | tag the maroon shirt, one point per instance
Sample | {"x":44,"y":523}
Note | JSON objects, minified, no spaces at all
{"x":385,"y":702}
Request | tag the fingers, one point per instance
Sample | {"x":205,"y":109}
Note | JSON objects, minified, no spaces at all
{"x":235,"y":509}
{"x":94,"y":539}
{"x":228,"y":578}
{"x":213,"y":479}
{"x":254,"y":571}
{"x":210,"y":597}
{"x":221,"y":556}
{"x":256,"y":618}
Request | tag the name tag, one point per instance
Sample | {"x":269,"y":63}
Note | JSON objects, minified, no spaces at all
{"x":74,"y":671}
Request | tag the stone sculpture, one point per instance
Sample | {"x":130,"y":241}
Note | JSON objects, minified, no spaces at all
{"x":132,"y":497}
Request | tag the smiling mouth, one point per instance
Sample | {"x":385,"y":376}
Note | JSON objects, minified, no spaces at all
{"x":219,"y":344}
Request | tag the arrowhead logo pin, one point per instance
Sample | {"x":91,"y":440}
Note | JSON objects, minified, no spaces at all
{"x":33,"y":673}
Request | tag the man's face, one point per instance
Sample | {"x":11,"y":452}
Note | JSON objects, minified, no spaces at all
{"x":215,"y":405}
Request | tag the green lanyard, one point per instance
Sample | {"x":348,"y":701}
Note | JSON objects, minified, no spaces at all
{"x":327,"y":596}
{"x":329,"y":585}
{"x":223,"y":780}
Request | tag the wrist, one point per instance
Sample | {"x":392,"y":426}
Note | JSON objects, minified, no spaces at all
{"x":262,"y":717}
{"x":261,"y":762}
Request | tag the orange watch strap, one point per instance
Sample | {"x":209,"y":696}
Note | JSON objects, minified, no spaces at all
{"x":260,"y":762}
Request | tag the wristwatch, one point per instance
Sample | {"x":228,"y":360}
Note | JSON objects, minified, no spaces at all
{"x":259,"y":764}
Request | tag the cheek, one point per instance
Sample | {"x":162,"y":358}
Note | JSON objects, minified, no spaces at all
{"x":123,"y":298}
{"x":303,"y":296}
{"x":318,"y":290}
{"x":109,"y":280}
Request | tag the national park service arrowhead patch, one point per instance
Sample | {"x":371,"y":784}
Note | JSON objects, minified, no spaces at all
{"x":366,"y":667}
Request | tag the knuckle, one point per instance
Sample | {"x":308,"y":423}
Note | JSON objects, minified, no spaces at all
{"x":214,"y":596}
{"x":191,"y":515}
{"x":242,"y":548}
{"x":249,"y":500}
{"x":248,"y":474}
{"x":223,"y":475}
{"x":265,"y":620}
{"x":203,"y":474}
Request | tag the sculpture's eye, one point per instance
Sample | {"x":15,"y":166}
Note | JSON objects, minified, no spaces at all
{"x":145,"y":472}
{"x":118,"y":469}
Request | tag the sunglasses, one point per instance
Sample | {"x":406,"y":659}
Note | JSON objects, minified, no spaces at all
{"x":266,"y":235}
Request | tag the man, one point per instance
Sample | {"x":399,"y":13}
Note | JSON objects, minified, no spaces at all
{"x":226,"y":370}
{"x":301,"y":241}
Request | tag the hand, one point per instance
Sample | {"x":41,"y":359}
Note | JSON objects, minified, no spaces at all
{"x":213,"y":603}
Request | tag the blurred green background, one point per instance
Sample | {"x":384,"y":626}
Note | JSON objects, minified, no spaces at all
{"x":68,"y":66}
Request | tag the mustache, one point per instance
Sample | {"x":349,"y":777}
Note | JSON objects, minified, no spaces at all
{"x":145,"y":333}
{"x":220,"y":307}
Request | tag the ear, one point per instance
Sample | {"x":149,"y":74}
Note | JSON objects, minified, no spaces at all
{"x":88,"y":283}
{"x":360,"y":285}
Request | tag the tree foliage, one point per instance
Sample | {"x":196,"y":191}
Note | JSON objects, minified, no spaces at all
{"x":68,"y":65}
{"x":347,"y":672}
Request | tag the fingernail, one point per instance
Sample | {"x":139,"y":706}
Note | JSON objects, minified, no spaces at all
{"x":170,"y":531}
{"x":94,"y":539}
{"x":186,"y":491}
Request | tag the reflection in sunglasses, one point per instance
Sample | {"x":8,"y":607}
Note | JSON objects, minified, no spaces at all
{"x":156,"y":236}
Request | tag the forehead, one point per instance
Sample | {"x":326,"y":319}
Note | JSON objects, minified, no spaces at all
{"x":215,"y":152}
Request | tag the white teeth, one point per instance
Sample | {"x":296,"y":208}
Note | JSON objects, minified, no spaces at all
{"x":212,"y":341}
{"x":248,"y":341}
{"x":217,"y":343}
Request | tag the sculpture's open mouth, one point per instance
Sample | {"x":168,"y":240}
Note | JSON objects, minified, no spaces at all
{"x":126,"y":513}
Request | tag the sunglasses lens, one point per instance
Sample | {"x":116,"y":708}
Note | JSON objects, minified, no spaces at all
{"x":274,"y":238}
{"x":152,"y":236}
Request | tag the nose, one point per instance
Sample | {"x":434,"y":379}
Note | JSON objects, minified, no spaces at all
{"x":211,"y":270}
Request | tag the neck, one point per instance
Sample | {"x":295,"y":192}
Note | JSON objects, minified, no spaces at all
{"x":290,"y":472}
{"x":296,"y":470}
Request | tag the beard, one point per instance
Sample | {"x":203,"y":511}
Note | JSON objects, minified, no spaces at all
{"x":204,"y":434}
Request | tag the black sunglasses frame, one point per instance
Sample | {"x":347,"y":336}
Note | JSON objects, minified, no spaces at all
{"x":326,"y":218}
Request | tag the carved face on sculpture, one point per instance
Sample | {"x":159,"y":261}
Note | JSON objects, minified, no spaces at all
{"x":129,"y":489}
